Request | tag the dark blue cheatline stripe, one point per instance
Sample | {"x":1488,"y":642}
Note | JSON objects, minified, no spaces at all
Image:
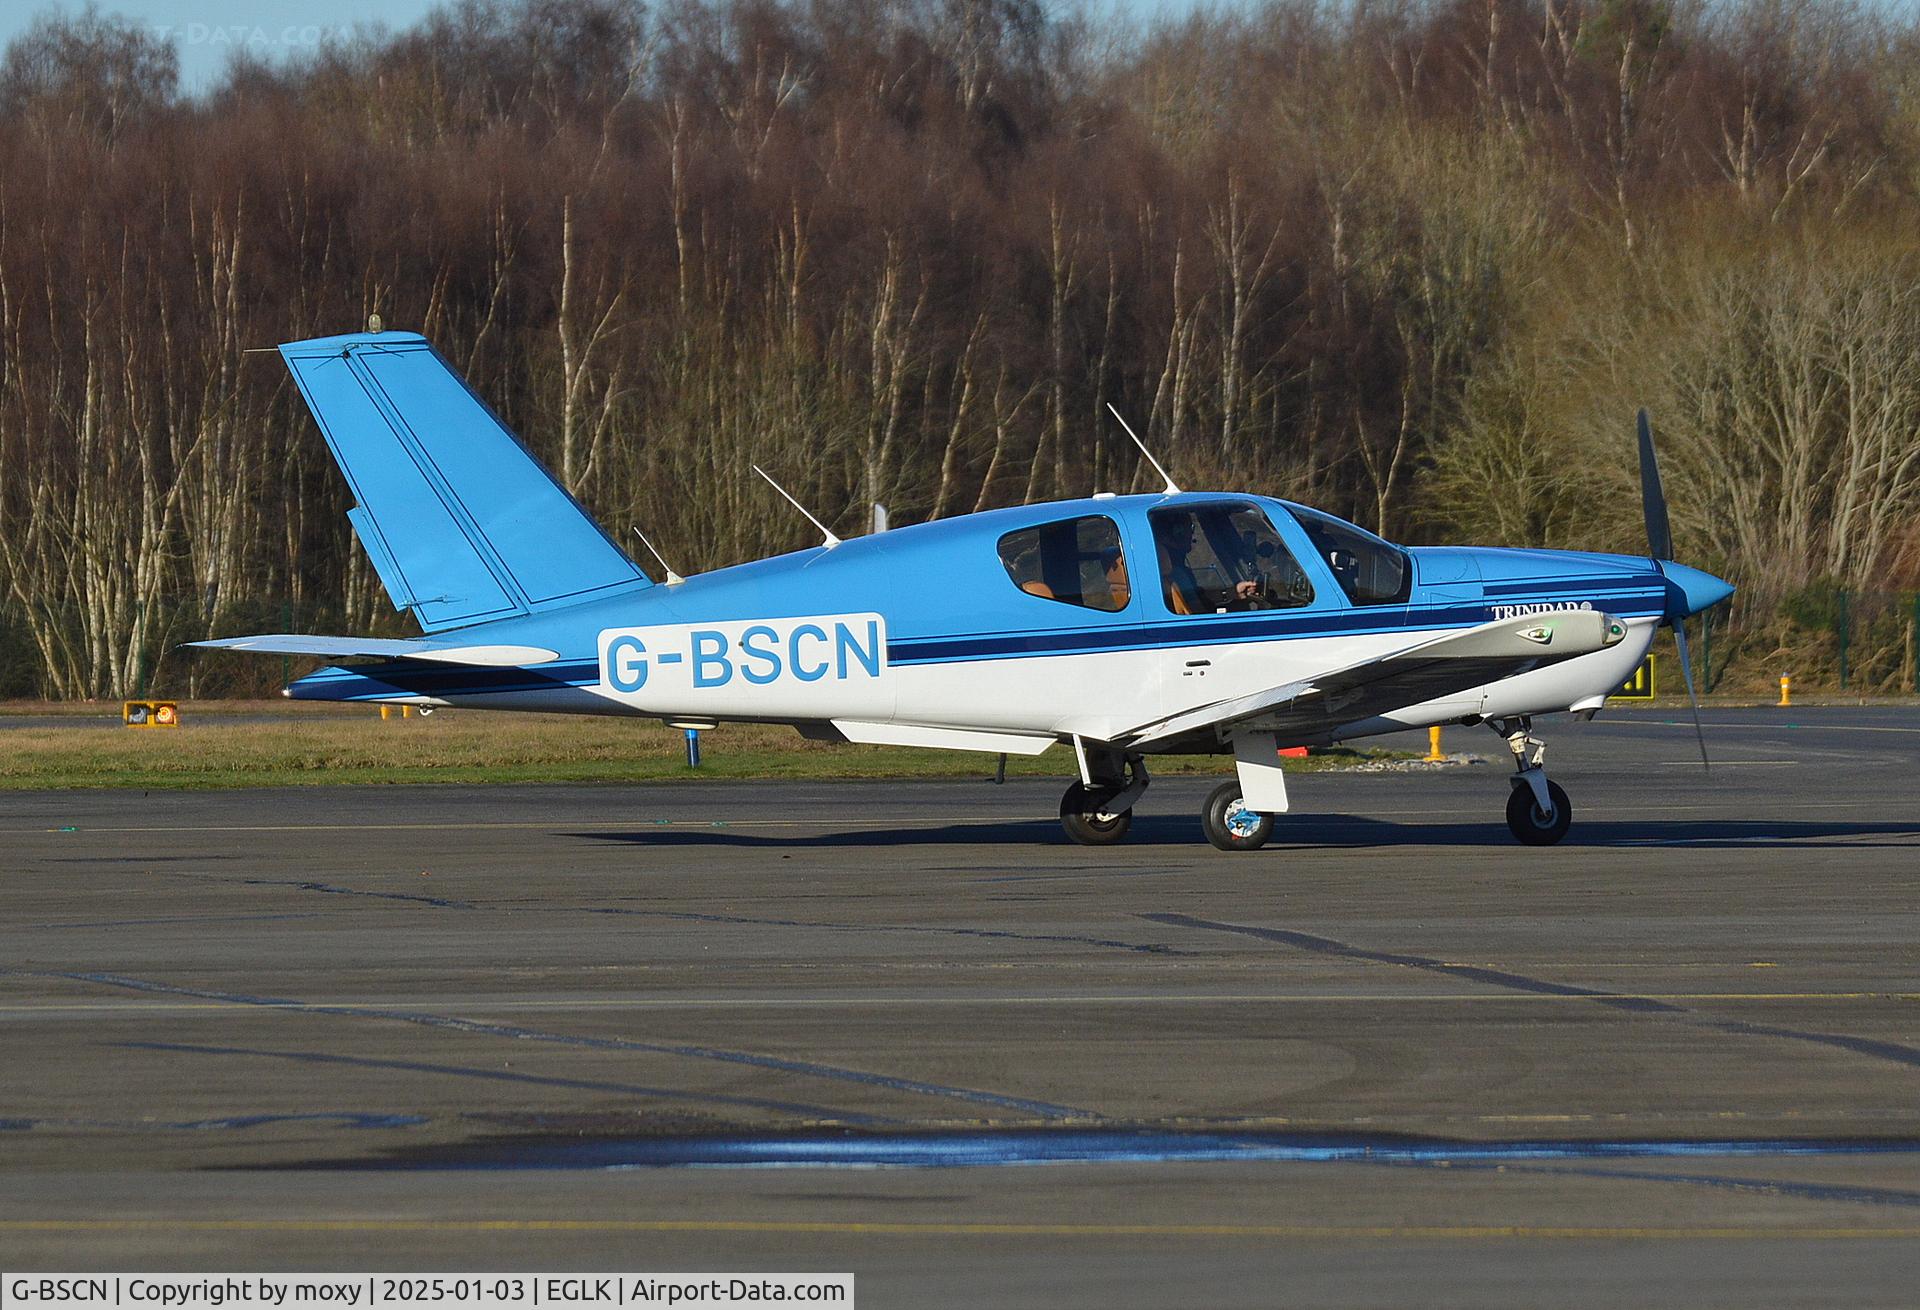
{"x":377,"y":681}
{"x":1227,"y":630}
{"x":1582,"y":588}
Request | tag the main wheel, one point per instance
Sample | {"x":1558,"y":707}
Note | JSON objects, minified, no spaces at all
{"x":1531,"y":826}
{"x":1086,"y":822}
{"x":1230,"y":825}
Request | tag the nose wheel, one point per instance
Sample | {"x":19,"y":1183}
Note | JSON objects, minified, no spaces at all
{"x":1230,"y":825}
{"x":1538,"y":811}
{"x":1534,"y":826}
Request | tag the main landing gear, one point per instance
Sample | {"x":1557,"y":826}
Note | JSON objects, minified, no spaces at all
{"x":1229,"y":824}
{"x":1098,"y":810}
{"x":1538,"y":811}
{"x":1101,"y":814}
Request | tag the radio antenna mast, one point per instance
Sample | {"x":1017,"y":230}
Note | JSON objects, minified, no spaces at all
{"x":673,"y":579}
{"x":1173,"y":488}
{"x":826,"y":532}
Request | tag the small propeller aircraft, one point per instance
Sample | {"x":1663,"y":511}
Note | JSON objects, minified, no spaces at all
{"x":1120,"y":625}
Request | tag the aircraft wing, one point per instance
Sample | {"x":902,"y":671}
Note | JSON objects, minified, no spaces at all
{"x":1415,"y":673}
{"x":385,"y":648}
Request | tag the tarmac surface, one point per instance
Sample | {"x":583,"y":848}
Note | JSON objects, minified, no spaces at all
{"x":1393,"y":1059}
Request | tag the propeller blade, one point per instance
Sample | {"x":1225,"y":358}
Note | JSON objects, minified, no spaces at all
{"x":1652,"y":499}
{"x":1686,"y":671}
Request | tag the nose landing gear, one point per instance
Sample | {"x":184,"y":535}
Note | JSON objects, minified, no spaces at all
{"x":1538,"y":811}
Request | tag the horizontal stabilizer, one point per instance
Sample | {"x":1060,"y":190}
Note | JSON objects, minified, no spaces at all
{"x":385,"y":648}
{"x":461,"y":523}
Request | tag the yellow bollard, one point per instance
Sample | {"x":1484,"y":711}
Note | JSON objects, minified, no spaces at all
{"x":386,"y":712}
{"x":1784,"y":699}
{"x":1434,"y":754}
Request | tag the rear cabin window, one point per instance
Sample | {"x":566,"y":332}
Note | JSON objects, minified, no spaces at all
{"x":1225,"y":559}
{"x":1074,"y":561}
{"x":1369,"y":570}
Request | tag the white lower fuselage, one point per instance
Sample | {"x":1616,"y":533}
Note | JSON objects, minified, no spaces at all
{"x":1095,"y":696}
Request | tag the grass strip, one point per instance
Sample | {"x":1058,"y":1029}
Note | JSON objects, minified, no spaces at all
{"x":274,"y":745}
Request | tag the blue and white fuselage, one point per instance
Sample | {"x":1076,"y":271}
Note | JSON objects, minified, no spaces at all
{"x":923,"y":627}
{"x":1122,"y":625}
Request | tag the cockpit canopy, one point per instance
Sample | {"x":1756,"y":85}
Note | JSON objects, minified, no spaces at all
{"x":1208,"y":557}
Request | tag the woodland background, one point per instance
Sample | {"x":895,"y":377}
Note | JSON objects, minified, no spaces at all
{"x":1414,"y":261}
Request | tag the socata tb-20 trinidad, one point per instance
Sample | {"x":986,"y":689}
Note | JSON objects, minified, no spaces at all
{"x":1122,"y":626}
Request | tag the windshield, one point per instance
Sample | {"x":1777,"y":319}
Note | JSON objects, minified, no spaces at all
{"x":1369,"y":570}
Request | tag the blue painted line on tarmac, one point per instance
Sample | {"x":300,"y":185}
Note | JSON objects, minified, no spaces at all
{"x":994,"y":1148}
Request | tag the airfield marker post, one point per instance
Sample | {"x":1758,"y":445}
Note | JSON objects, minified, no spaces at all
{"x":1434,"y":754}
{"x":693,"y":748}
{"x":1784,"y":698}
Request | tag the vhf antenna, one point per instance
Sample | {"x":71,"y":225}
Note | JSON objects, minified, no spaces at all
{"x":673,"y":579}
{"x":825,"y":531}
{"x":1173,"y":488}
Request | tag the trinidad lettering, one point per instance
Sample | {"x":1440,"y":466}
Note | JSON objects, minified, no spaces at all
{"x":1544,"y":607}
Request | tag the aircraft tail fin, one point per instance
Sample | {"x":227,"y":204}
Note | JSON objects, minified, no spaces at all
{"x":462,"y":524}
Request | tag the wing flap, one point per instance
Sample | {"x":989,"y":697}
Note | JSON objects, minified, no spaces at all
{"x":953,"y":739}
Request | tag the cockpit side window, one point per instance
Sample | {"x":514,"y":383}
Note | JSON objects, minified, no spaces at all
{"x":1220,"y":559}
{"x":1075,"y":561}
{"x":1369,"y":570}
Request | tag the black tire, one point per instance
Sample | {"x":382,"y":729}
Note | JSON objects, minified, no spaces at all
{"x":1230,"y":825}
{"x":1532,"y":827}
{"x":1086,"y":823}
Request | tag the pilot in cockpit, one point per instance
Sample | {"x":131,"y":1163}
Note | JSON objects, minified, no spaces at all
{"x":1174,"y":534}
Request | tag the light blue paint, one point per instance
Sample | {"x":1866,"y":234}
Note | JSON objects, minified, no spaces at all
{"x":868,"y":656}
{"x":711,"y":667}
{"x":766,"y":659}
{"x":627,"y":663}
{"x":462,"y":524}
{"x":470,"y":533}
{"x":802,"y":671}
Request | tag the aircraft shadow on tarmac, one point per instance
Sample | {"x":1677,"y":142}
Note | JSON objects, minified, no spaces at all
{"x":1330,"y":831}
